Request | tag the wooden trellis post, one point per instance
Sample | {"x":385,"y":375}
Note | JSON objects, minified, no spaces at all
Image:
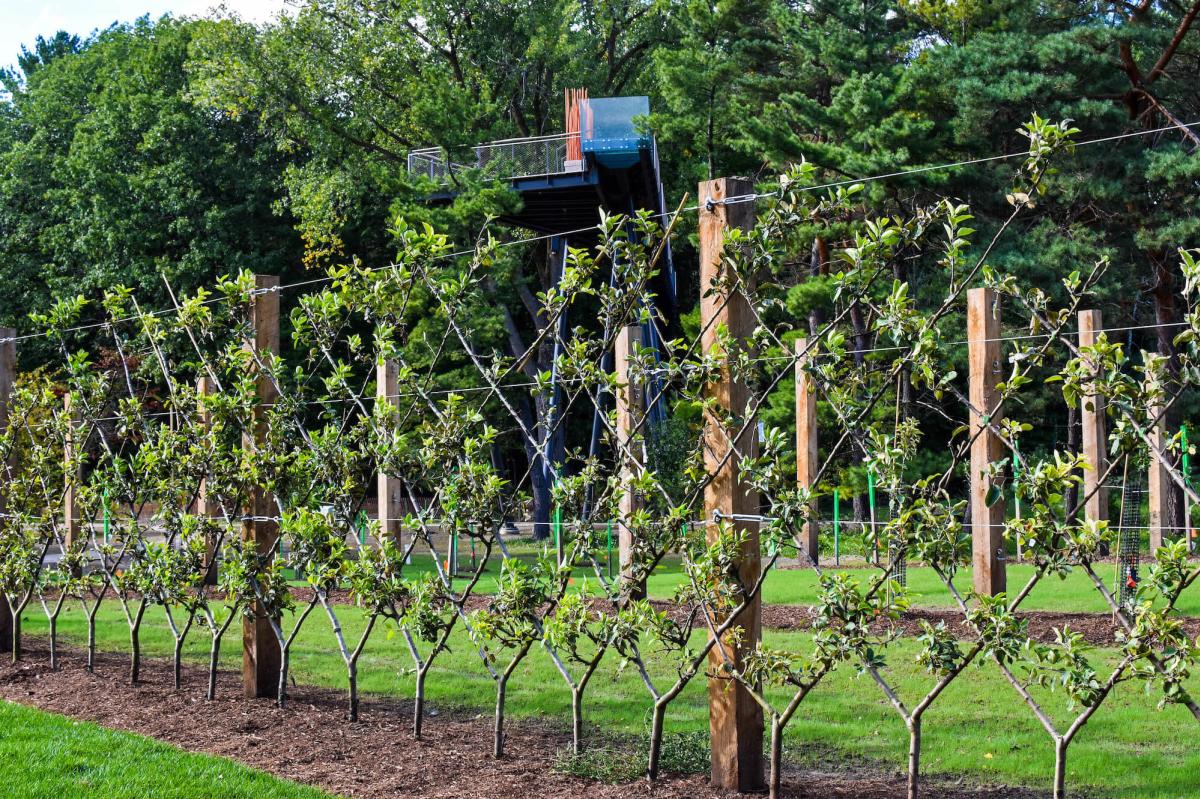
{"x":8,"y":374}
{"x":205,"y":506}
{"x":260,"y":650}
{"x":631,"y":407}
{"x":735,"y":719}
{"x":388,"y":488}
{"x":1160,"y":487}
{"x":72,"y":523}
{"x":987,"y":520}
{"x":807,"y":458}
{"x":1095,"y":441}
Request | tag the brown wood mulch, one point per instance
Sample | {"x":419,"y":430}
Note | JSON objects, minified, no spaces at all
{"x":376,"y":758}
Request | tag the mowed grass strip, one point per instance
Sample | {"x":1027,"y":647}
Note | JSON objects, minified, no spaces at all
{"x":978,"y":729}
{"x":44,"y":755}
{"x":1074,"y":594}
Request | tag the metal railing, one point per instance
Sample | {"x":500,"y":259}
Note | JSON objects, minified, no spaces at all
{"x":510,"y":158}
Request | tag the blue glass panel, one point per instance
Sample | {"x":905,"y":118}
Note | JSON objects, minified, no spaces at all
{"x":609,"y":129}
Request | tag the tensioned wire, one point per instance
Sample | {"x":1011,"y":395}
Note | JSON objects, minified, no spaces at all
{"x":708,"y":203}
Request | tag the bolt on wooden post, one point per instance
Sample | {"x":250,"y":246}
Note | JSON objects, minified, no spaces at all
{"x":387,"y":487}
{"x":807,"y":458}
{"x":987,"y":520}
{"x":631,"y":407}
{"x":1095,"y":441}
{"x":8,"y":374}
{"x":260,"y":650}
{"x":205,"y":505}
{"x":735,"y":719}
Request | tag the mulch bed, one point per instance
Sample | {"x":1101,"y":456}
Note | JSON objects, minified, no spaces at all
{"x":311,"y":742}
{"x":1098,"y":629}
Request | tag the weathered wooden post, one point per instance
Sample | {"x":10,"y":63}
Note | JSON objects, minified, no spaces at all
{"x":205,"y":505}
{"x":260,"y":650}
{"x":807,"y":459}
{"x":72,"y":522}
{"x":735,"y":719}
{"x":388,"y":488}
{"x":1095,"y":441}
{"x":630,"y":403}
{"x":8,"y":374}
{"x":1161,"y":489}
{"x":987,"y":520}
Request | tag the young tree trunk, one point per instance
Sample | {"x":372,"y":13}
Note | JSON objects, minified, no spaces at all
{"x":91,"y":639}
{"x":498,"y":734}
{"x":16,"y":635}
{"x":53,"y":643}
{"x":576,"y":720}
{"x":135,"y":654}
{"x":284,"y":658}
{"x":214,"y":654}
{"x":352,"y":682}
{"x":178,"y":665}
{"x":775,"y":786}
{"x":656,"y":733}
{"x":914,"y":757}
{"x":419,"y":703}
{"x":1060,"y":768}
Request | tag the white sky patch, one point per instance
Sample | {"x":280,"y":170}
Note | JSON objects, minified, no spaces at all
{"x":22,"y":21}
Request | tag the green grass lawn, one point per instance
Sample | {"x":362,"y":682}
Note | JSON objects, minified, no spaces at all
{"x":43,"y":755}
{"x":799,"y":586}
{"x":979,"y":728}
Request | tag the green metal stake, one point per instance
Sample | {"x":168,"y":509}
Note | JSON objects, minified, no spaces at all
{"x":1186,"y":470}
{"x":610,"y":574}
{"x":1187,"y":480}
{"x":837,"y":529}
{"x":1016,"y":467}
{"x":871,"y":500}
{"x":361,"y":524}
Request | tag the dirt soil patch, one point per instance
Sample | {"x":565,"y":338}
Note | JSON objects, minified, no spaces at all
{"x":376,"y":758}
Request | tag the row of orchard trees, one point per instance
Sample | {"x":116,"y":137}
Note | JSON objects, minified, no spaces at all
{"x":199,"y":466}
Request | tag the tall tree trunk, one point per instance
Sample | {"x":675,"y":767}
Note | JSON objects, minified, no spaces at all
{"x":1166,"y":316}
{"x":818,"y":266}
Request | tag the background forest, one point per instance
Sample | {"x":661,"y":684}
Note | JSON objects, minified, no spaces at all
{"x":188,"y":149}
